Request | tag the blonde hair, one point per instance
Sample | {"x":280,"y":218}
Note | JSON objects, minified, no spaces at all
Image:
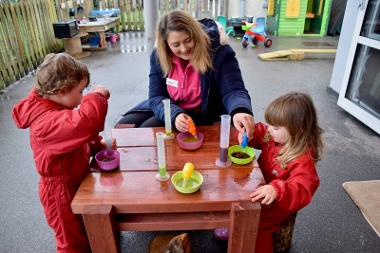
{"x":60,"y":73}
{"x":178,"y":21}
{"x":296,"y":112}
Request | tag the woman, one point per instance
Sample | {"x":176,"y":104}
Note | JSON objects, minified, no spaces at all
{"x":199,"y":75}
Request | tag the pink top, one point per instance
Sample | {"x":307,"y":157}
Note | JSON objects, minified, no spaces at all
{"x":183,"y":84}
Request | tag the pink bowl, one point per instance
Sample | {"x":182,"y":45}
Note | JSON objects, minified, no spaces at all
{"x":189,"y":145}
{"x":108,"y":159}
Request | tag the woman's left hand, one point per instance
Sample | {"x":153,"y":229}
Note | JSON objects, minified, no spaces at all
{"x":182,"y":122}
{"x":244,"y":122}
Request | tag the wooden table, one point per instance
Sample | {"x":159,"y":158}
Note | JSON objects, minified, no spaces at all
{"x":100,"y":27}
{"x":131,"y":199}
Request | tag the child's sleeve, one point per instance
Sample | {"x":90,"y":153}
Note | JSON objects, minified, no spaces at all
{"x":70,"y":129}
{"x":95,"y":146}
{"x":258,"y":136}
{"x":297,"y":191}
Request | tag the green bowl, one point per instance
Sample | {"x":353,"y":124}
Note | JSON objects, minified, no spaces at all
{"x":238,"y":149}
{"x":192,"y":185}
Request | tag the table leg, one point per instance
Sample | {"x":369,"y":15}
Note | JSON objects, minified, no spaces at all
{"x":101,"y":229}
{"x":118,"y":30}
{"x":102,"y":39}
{"x":244,"y":222}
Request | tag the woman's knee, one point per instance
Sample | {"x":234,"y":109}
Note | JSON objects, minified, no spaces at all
{"x":136,"y":118}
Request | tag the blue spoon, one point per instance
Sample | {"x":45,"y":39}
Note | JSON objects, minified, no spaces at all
{"x":244,"y":143}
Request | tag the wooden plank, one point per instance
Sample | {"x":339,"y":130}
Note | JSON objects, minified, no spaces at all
{"x":291,"y":54}
{"x":32,"y":33}
{"x":18,"y":45}
{"x":101,"y":229}
{"x":170,"y":221}
{"x":4,"y":63}
{"x":29,"y":35}
{"x":140,"y":192}
{"x":39,"y":29}
{"x":243,"y":234}
{"x":277,"y":55}
{"x":320,"y":50}
{"x":9,"y":59}
{"x":23,"y":47}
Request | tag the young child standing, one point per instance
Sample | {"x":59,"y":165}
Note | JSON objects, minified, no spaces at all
{"x":63,"y":139}
{"x":291,"y":145}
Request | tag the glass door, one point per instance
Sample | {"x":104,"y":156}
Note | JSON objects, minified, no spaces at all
{"x":360,"y":95}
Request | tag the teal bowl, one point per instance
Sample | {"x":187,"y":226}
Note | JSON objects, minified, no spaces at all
{"x":240,"y":155}
{"x":192,"y":185}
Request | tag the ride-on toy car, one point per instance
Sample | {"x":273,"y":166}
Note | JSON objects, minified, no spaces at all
{"x":255,"y":32}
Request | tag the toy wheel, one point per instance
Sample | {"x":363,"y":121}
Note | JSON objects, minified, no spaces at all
{"x":268,"y":42}
{"x":255,"y":40}
{"x":244,"y":43}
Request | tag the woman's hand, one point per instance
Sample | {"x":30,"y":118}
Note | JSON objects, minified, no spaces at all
{"x":244,"y":122}
{"x":182,"y":122}
{"x":267,"y":193}
{"x":240,"y":138}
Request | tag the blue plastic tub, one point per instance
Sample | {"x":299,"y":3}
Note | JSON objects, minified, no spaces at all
{"x":94,"y":41}
{"x":99,"y":13}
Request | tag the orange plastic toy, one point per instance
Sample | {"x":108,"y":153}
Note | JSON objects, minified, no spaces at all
{"x":192,"y":128}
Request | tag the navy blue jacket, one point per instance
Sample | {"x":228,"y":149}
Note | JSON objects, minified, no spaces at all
{"x":222,"y":87}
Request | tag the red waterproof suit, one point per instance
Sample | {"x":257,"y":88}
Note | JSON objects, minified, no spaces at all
{"x":295,"y":186}
{"x":62,"y":141}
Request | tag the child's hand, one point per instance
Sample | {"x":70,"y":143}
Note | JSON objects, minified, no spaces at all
{"x":267,"y":193}
{"x":101,"y":89}
{"x":104,"y":144}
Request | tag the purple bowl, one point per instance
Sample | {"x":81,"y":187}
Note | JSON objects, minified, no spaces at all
{"x":108,"y":159}
{"x":185,"y":141}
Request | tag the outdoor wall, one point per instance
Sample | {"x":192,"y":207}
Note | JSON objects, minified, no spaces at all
{"x":252,"y":8}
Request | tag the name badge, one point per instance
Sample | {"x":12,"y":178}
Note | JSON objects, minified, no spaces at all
{"x":172,"y":82}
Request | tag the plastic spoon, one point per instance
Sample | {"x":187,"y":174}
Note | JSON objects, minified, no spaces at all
{"x":187,"y":171}
{"x":244,"y":142}
{"x":192,"y":129}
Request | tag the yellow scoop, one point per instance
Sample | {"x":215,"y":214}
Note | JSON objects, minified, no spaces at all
{"x":187,"y":171}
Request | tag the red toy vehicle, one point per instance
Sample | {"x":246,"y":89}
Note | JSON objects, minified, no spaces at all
{"x":255,"y":32}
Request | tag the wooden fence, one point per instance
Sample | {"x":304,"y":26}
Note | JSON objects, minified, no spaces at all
{"x":26,"y":31}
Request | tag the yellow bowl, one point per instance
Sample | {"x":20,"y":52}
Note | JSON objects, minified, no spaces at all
{"x":192,"y":185}
{"x":237,"y":154}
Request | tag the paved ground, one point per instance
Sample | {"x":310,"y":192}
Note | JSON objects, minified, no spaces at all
{"x":331,"y":223}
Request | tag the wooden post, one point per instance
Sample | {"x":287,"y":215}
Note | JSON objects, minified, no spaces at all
{"x":101,"y":229}
{"x":244,"y":223}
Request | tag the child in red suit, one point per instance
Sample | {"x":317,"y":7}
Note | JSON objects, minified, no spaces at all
{"x":63,"y":140}
{"x":290,"y":145}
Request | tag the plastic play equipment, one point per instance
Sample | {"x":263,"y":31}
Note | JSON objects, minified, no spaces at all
{"x":255,"y":32}
{"x":223,"y":21}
